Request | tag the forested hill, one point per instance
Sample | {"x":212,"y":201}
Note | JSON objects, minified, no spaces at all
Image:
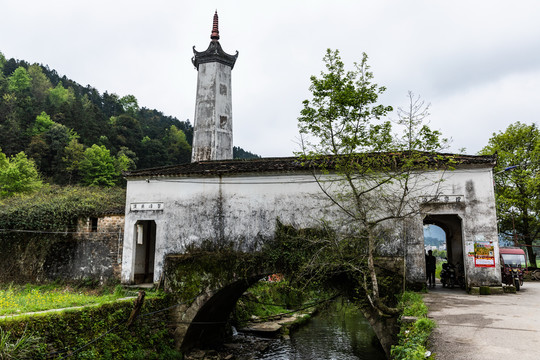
{"x":55,"y":121}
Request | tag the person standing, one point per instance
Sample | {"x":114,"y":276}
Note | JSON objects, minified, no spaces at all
{"x":431,"y":264}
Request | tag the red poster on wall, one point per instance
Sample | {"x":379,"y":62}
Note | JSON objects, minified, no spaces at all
{"x":484,"y":254}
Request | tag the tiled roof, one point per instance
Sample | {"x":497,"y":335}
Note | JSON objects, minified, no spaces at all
{"x":285,"y":165}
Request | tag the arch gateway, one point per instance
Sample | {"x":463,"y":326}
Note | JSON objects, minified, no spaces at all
{"x":239,"y":202}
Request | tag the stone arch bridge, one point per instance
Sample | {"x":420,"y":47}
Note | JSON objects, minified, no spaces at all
{"x":208,"y":285}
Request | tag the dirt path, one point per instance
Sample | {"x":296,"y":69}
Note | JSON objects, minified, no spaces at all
{"x":480,"y":327}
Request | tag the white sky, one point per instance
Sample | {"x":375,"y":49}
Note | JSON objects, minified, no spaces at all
{"x":476,"y":62}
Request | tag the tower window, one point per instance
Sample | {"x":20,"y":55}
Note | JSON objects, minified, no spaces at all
{"x":222,"y":89}
{"x":222,"y":121}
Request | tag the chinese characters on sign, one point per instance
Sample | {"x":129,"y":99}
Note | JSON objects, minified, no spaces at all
{"x":146,"y":206}
{"x":443,"y":199}
{"x":484,"y":254}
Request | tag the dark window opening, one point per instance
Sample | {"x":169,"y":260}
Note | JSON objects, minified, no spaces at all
{"x":93,"y":224}
{"x":222,"y":121}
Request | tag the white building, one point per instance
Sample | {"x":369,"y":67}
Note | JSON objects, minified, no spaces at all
{"x":239,"y":202}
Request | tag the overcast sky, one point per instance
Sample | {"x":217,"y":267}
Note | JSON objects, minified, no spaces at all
{"x":476,"y":62}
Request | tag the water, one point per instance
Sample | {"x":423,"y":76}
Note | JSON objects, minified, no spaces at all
{"x":338,"y":333}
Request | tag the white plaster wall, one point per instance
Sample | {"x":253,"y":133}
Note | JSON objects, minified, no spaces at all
{"x":244,"y":209}
{"x":479,"y":219}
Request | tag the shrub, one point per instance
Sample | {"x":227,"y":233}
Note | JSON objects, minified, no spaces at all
{"x":24,"y":347}
{"x":413,"y":336}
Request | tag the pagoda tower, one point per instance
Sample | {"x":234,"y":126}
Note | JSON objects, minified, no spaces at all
{"x":212,"y":133}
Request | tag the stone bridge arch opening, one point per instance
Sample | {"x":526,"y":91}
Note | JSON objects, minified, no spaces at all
{"x":207,"y":286}
{"x":452,"y":226}
{"x":210,"y":324}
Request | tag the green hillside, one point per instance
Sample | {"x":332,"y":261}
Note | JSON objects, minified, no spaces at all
{"x":72,"y":132}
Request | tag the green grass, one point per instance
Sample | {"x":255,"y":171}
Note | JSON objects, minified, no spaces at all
{"x":412,"y":338}
{"x":438,"y":269}
{"x":268,"y":299}
{"x":29,"y":298}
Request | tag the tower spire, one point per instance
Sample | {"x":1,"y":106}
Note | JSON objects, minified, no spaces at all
{"x":215,"y":28}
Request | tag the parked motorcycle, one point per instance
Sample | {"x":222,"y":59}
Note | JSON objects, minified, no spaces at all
{"x":451,"y":277}
{"x":448,"y":275}
{"x":512,"y":276}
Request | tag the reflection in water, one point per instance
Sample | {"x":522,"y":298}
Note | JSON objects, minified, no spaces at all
{"x":340,"y":332}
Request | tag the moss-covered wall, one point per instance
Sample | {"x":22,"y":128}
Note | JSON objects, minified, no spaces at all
{"x":189,"y":274}
{"x":72,"y":332}
{"x":48,"y":256}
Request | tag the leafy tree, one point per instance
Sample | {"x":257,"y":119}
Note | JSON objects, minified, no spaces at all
{"x":152,"y":153}
{"x":38,"y":151}
{"x":40,"y":84}
{"x":130,"y":156}
{"x":127,"y":132}
{"x":122,"y":163}
{"x":129,"y":104}
{"x":12,"y":136}
{"x":48,"y":144}
{"x":42,"y":124}
{"x":239,"y":153}
{"x":104,"y":141}
{"x":364,"y":168}
{"x":177,"y":148}
{"x":57,"y":137}
{"x":517,"y":182}
{"x":97,"y":167}
{"x":71,"y":159}
{"x":19,"y":82}
{"x":2,"y":63}
{"x":111,"y":105}
{"x":3,"y":82}
{"x":60,"y":95}
{"x":18,"y":174}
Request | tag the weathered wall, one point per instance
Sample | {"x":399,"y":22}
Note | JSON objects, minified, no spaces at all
{"x":242,"y":210}
{"x":213,"y":113}
{"x":104,"y":254}
{"x":477,"y":213}
{"x":29,"y":257}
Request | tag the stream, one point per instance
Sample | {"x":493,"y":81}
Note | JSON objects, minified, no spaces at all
{"x":339,"y":332}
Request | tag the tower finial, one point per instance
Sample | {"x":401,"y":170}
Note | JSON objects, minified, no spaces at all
{"x":215,"y":30}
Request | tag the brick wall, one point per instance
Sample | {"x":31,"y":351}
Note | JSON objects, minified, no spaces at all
{"x":92,"y":251}
{"x":107,"y":232}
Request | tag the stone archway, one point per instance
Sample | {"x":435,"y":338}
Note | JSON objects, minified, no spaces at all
{"x":452,"y":226}
{"x":207,"y":285}
{"x":204,"y":323}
